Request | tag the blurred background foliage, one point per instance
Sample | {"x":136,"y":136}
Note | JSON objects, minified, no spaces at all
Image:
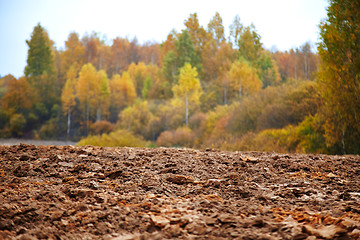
{"x":198,"y":88}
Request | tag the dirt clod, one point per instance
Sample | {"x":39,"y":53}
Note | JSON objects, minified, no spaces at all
{"x":179,"y":179}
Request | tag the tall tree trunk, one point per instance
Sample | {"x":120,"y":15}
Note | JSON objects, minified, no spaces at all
{"x":98,"y":114}
{"x":68,"y":123}
{"x":100,"y":62}
{"x":305,"y":67}
{"x":187,"y":109}
{"x":87,"y":118}
{"x":117,"y":63}
{"x":343,"y":142}
{"x":295,"y":68}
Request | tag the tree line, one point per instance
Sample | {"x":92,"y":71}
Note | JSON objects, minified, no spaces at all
{"x":198,"y":88}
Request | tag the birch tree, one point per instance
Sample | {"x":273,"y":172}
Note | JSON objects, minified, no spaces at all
{"x":188,"y":88}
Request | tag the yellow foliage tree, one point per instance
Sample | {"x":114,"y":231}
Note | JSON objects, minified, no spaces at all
{"x":102,"y":95}
{"x":73,"y":54}
{"x":216,"y":29}
{"x":92,"y":90}
{"x":68,"y":96}
{"x":188,"y":88}
{"x":243,"y":78}
{"x":122,"y":92}
{"x":224,"y":59}
{"x":339,"y":77}
{"x":85,"y":90}
{"x":19,"y":96}
{"x":196,"y":31}
{"x":140,"y":72}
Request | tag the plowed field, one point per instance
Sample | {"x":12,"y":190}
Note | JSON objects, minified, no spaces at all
{"x":66,"y":192}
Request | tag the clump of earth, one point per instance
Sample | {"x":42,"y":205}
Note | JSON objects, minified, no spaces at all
{"x":67,"y":192}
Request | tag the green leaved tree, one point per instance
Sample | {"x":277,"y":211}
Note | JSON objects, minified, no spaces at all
{"x":40,"y":69}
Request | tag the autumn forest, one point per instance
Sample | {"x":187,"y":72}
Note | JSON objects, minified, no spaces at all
{"x":199,"y":88}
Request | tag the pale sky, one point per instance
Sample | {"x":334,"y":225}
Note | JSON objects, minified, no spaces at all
{"x":285,"y":24}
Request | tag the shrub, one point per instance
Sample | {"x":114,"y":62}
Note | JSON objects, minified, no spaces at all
{"x":182,"y":137}
{"x":17,"y":123}
{"x":101,"y":127}
{"x":244,"y":143}
{"x":278,"y":140}
{"x":50,"y":129}
{"x":136,"y":119}
{"x":4,"y":119}
{"x":197,"y":121}
{"x":311,"y":132}
{"x":119,"y":138}
{"x":165,"y":139}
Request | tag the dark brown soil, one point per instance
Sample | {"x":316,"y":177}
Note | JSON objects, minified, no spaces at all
{"x":49,"y":192}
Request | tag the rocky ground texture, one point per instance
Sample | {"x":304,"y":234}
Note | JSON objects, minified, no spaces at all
{"x":67,"y":192}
